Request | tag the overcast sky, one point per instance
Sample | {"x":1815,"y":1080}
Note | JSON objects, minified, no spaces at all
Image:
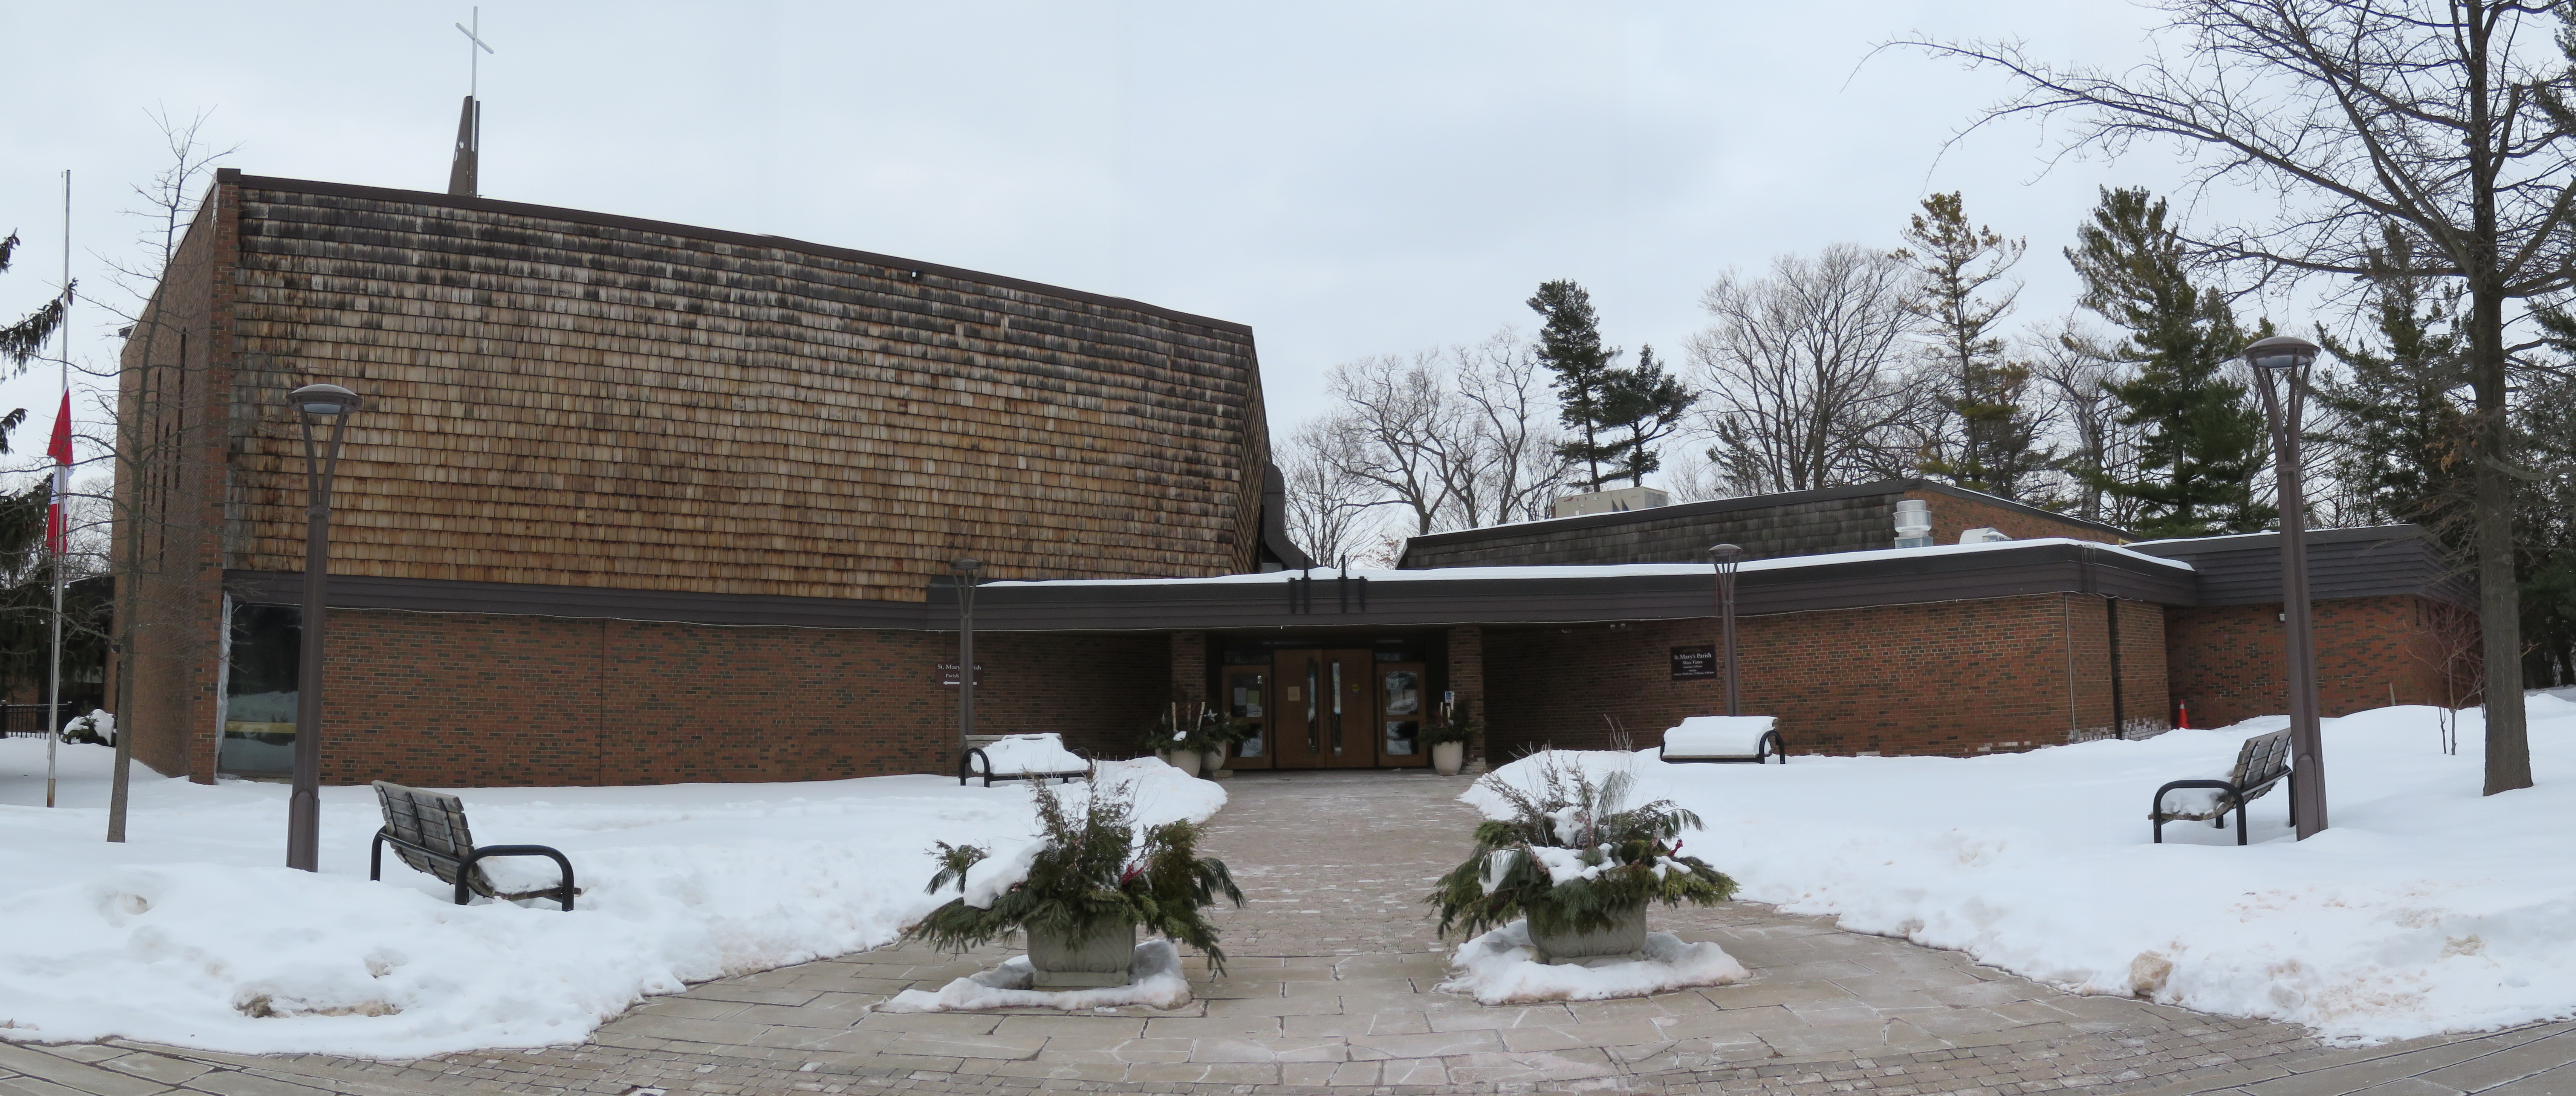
{"x":1349,"y":179}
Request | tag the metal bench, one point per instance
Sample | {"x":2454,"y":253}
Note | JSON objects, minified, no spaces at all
{"x":977,"y":763}
{"x":427,"y":830}
{"x":2263,"y":762}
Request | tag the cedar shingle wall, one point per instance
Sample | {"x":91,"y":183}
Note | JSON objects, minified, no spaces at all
{"x":551,"y":401}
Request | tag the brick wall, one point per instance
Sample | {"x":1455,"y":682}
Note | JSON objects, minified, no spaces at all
{"x":1955,"y":678}
{"x":2227,"y":661}
{"x":1465,"y":676}
{"x":466,"y":700}
{"x":175,"y":390}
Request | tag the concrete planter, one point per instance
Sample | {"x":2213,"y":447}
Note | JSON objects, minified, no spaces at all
{"x":1215,"y":761}
{"x":1186,"y":760}
{"x":1101,"y":959}
{"x":1626,"y":937}
{"x":1448,"y":758}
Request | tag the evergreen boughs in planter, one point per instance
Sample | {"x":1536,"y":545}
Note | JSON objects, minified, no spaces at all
{"x":1201,"y":730}
{"x":1088,"y":873}
{"x":1460,"y":730}
{"x":1570,"y":858}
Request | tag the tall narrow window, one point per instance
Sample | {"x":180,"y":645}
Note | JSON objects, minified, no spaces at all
{"x":259,"y":690}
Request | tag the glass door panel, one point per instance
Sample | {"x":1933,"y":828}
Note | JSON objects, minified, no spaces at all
{"x":1247,"y":697}
{"x":1400,"y":704}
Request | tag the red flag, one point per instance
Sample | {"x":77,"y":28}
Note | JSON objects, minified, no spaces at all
{"x":57,"y":538}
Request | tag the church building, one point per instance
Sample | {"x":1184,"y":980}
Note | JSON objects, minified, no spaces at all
{"x":636,"y":502}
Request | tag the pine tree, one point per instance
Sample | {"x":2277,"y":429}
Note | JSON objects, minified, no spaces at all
{"x":2400,"y":435}
{"x":22,"y":340}
{"x":2205,"y":440}
{"x":1649,"y":404}
{"x":1569,"y":344}
{"x":1993,"y":444}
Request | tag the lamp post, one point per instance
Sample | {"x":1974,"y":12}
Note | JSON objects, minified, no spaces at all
{"x":315,"y":405}
{"x":1728,"y":557}
{"x":965,"y":568}
{"x":2281,"y":370}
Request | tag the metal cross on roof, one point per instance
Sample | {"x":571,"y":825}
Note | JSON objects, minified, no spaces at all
{"x":474,"y":63}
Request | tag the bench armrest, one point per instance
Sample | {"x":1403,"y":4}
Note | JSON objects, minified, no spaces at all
{"x":2156,"y":809}
{"x":465,"y":871}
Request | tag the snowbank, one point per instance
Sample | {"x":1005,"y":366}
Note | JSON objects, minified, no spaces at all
{"x":1501,"y":968}
{"x":2425,"y":908}
{"x":192,"y":934}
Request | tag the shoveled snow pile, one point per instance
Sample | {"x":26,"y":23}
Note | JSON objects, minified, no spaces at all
{"x":1155,"y":980}
{"x":191,"y":933}
{"x":2425,"y":908}
{"x":1501,"y":968}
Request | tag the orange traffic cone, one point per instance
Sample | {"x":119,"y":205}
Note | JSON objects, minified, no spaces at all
{"x":2183,"y":719}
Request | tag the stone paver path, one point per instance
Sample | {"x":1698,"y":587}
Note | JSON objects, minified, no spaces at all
{"x":1332,"y":988}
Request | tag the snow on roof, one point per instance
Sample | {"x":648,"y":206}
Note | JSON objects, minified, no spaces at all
{"x":1618,"y":570}
{"x":2385,"y":530}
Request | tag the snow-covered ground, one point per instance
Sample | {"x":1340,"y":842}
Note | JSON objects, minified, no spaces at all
{"x":2425,"y":908}
{"x":192,"y":933}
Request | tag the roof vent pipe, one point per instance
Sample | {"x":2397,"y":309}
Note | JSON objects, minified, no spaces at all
{"x":1913,"y":523}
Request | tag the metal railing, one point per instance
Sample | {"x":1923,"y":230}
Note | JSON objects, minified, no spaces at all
{"x":24,"y":720}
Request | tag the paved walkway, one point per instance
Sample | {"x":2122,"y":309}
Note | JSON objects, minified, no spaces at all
{"x":1332,"y":989}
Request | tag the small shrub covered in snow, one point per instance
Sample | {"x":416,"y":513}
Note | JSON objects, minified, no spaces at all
{"x":98,"y":727}
{"x":1089,"y":872}
{"x":1567,"y":855}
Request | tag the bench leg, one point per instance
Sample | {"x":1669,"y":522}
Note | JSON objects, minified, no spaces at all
{"x":376,"y":858}
{"x":2160,"y":830}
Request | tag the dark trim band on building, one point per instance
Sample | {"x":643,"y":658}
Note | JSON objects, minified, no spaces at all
{"x":716,"y":235}
{"x":2384,"y":559}
{"x":1276,"y":601}
{"x":1815,"y":583}
{"x":2225,"y":571}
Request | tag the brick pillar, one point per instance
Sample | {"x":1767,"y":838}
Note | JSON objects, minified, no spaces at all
{"x":1189,"y":666}
{"x":1467,"y":679}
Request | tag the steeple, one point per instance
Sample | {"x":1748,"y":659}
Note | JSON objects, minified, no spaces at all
{"x":469,"y":122}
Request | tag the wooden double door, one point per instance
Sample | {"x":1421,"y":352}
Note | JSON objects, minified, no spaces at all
{"x":1330,"y":709}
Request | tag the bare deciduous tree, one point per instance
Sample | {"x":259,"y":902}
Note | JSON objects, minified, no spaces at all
{"x":1517,"y":470}
{"x":2450,"y":119}
{"x":1400,"y":429}
{"x":2077,"y":368}
{"x":1802,"y":371}
{"x":1329,"y":509}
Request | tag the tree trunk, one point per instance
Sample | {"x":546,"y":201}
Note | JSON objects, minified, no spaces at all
{"x":2499,"y":600}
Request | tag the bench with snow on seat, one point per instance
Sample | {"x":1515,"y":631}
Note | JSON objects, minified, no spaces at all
{"x":427,"y":830}
{"x":2262,"y":762}
{"x":1020,"y":757}
{"x":1746,"y":739}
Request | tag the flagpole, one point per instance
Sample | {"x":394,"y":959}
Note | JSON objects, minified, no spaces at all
{"x":54,"y":536}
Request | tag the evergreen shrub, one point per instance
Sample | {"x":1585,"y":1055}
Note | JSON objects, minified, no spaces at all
{"x":1092,"y":873}
{"x":1571,"y":858}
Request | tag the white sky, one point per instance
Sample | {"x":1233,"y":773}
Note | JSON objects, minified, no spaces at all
{"x":1349,"y":179}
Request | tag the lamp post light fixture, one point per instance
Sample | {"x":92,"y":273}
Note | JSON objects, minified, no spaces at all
{"x":2281,"y":370}
{"x":965,"y":568}
{"x":1728,"y":558}
{"x":315,"y":405}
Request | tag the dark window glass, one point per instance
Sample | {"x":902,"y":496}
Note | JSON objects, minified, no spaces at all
{"x":259,"y":690}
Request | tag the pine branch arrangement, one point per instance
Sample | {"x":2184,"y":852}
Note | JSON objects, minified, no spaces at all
{"x":1570,"y":858}
{"x":1093,"y":874}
